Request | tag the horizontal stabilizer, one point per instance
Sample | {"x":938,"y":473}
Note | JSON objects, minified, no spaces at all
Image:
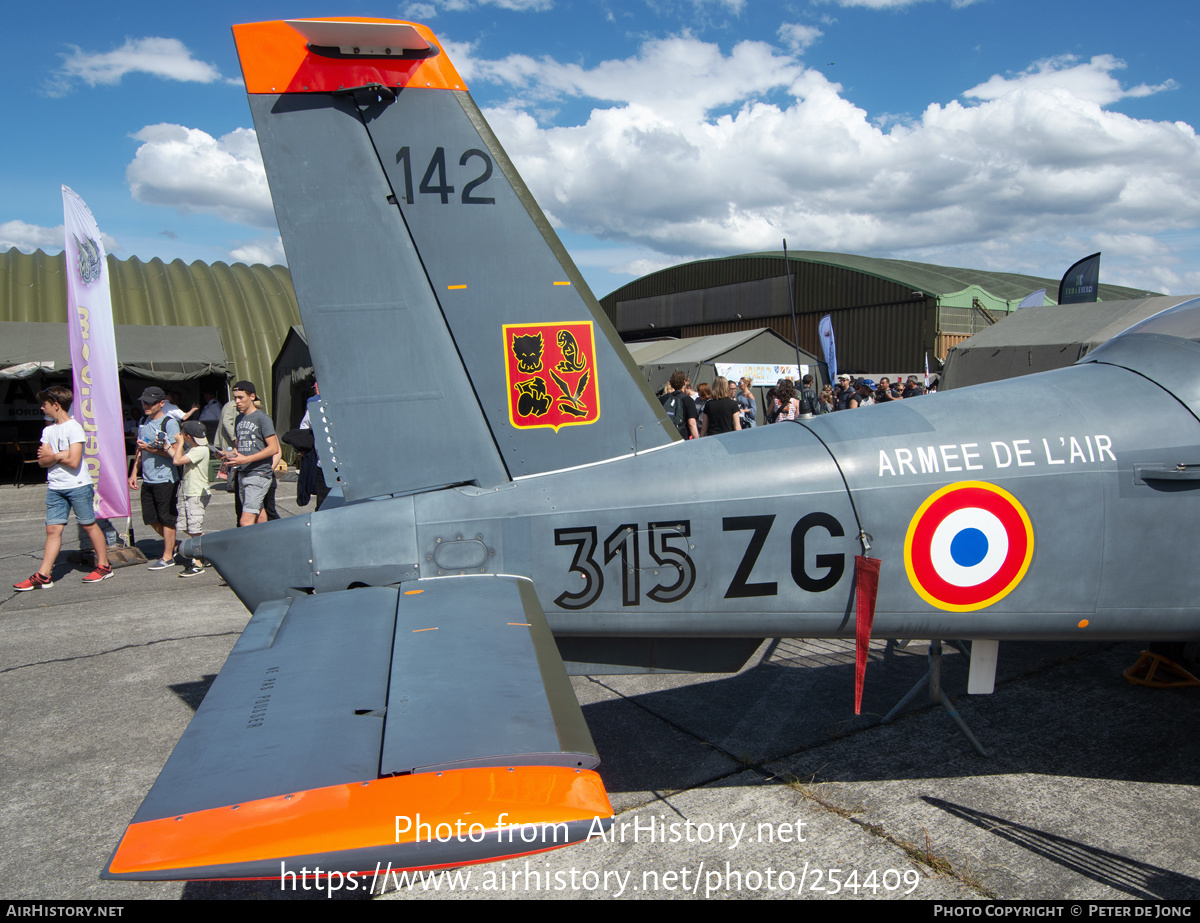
{"x":477,"y":680}
{"x":304,"y":670}
{"x":282,"y":762}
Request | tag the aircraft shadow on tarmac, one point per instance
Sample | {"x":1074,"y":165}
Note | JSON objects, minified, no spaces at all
{"x":1060,"y":709}
{"x":193,"y":693}
{"x":1138,"y":879}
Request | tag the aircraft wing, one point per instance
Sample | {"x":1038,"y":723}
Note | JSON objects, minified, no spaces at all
{"x":422,"y":726}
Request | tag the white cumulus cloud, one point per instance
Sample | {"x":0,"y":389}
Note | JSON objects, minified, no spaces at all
{"x":29,"y":237}
{"x":733,"y":6}
{"x":267,"y":250}
{"x":797,"y":36}
{"x":418,"y":12}
{"x":162,"y":57}
{"x":459,"y":6}
{"x":190,"y":170}
{"x":691,"y":151}
{"x":682,"y":78}
{"x":1092,"y":80}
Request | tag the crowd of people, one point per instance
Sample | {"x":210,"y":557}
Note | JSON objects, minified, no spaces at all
{"x":171,"y":453}
{"x":173,"y":448}
{"x":852,"y":393}
{"x":723,"y":406}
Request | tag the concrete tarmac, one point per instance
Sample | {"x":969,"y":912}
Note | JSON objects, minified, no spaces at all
{"x":760,"y":784}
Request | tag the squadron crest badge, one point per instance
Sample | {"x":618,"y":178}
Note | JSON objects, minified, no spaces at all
{"x":89,"y":264}
{"x":551,"y":373}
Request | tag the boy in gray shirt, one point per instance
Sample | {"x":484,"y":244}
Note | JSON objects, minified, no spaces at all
{"x":257,"y":444}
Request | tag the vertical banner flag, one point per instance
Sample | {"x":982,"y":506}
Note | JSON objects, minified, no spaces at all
{"x":927,"y":369}
{"x":828,"y":346}
{"x":97,"y":404}
{"x":1082,"y":282}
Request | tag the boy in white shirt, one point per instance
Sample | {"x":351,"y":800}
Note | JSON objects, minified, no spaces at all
{"x":68,"y":487}
{"x":191,"y":453}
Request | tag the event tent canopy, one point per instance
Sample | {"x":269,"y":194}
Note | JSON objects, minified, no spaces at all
{"x":155,"y":353}
{"x":1036,"y":339}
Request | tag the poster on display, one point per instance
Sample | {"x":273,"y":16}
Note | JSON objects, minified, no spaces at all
{"x":762,"y":374}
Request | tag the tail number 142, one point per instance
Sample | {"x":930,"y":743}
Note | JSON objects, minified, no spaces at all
{"x":435,"y":182}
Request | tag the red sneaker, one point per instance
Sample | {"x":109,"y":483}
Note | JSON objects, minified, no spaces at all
{"x":36,"y":582}
{"x":100,"y":573}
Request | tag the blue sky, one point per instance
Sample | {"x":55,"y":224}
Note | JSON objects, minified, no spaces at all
{"x":999,"y":134}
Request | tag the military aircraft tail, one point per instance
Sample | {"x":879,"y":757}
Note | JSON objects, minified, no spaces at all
{"x":454,"y":339}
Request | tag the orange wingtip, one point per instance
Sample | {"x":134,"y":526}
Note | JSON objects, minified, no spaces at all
{"x":379,"y":813}
{"x":276,"y":58}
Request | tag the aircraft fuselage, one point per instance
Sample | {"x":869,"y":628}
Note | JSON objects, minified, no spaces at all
{"x":754,"y":534}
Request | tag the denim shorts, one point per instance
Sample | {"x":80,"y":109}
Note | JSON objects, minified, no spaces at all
{"x":59,"y":504}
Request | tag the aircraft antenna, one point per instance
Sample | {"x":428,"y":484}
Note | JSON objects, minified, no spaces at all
{"x":787,"y":268}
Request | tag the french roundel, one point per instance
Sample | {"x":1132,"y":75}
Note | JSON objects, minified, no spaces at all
{"x":968,"y":546}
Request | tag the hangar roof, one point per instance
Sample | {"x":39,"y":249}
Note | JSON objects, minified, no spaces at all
{"x":254,"y":307}
{"x":926,"y":277}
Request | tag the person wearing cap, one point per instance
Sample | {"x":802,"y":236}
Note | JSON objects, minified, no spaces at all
{"x":843,"y":391}
{"x":862,"y":397}
{"x":155,"y":441}
{"x":190,"y":452}
{"x":257,"y":445}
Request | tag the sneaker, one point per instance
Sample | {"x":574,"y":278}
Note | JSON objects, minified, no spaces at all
{"x":161,"y":565}
{"x":100,"y":573}
{"x":194,"y":571}
{"x":35,"y":582}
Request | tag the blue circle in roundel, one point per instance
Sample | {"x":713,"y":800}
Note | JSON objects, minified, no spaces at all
{"x":968,"y":548}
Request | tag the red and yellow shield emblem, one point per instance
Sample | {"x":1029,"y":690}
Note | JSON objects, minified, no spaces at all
{"x":551,"y":371}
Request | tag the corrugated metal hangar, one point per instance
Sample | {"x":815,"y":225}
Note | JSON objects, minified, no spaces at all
{"x":887,"y":314}
{"x":253,"y":307}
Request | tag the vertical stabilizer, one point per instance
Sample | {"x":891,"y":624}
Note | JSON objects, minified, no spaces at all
{"x":453,"y":337}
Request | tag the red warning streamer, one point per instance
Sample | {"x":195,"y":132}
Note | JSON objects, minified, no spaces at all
{"x":866,"y":588}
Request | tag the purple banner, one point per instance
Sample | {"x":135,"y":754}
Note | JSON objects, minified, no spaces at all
{"x":828,"y":346}
{"x":97,"y":404}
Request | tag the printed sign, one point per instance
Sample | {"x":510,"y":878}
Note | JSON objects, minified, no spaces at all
{"x":765,"y":376}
